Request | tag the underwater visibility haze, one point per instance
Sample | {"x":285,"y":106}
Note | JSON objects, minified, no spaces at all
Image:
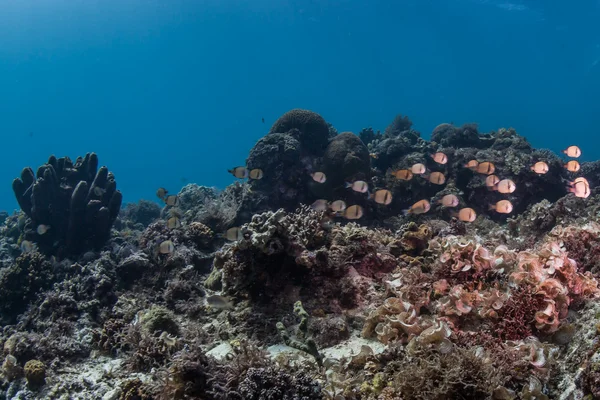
{"x":171,"y":92}
{"x":300,"y":200}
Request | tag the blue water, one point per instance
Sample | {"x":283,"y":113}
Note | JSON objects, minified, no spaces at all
{"x":173,"y":91}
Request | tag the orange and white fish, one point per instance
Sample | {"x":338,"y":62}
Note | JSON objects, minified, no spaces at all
{"x":319,"y":177}
{"x":171,"y":200}
{"x":403,"y":174}
{"x":338,"y":206}
{"x":572,"y":151}
{"x":420,"y":207}
{"x":466,"y":215}
{"x":573,"y":166}
{"x":319,"y":205}
{"x":580,"y":188}
{"x":358,"y":186}
{"x":166,"y":247}
{"x":239,"y":172}
{"x":472,"y":165}
{"x":353,"y":212}
{"x":491,"y":181}
{"x":540,"y":168}
{"x":418,"y":169}
{"x":437,"y":178}
{"x":449,"y":200}
{"x":486,"y":168}
{"x":505,"y":186}
{"x":502,"y":207}
{"x":440,"y":158}
{"x":256,"y":174}
{"x":382,"y":196}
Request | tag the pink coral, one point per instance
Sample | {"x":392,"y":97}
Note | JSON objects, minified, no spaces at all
{"x":461,"y":256}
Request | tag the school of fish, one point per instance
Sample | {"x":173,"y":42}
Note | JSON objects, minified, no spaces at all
{"x":338,"y":208}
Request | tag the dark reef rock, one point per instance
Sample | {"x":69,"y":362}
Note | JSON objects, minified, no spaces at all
{"x":20,"y":283}
{"x":286,"y":181}
{"x":313,"y":129}
{"x":143,"y":212}
{"x":272,"y":383}
{"x":346,"y":159}
{"x":368,"y":135}
{"x":399,"y":125}
{"x":78,"y":201}
{"x":448,"y":135}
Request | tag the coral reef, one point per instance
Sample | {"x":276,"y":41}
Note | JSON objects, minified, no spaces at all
{"x":301,"y":302}
{"x":76,"y":203}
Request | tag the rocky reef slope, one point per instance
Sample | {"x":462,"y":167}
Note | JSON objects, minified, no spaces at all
{"x":304,"y":302}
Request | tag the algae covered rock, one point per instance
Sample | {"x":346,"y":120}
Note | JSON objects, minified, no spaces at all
{"x":346,"y":158}
{"x":313,"y":129}
{"x":20,"y":283}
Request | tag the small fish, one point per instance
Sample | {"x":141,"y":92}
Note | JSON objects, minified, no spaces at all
{"x":256,"y":174}
{"x":219,"y":302}
{"x":572,"y":151}
{"x":239,"y":172}
{"x":572,"y":166}
{"x":467,"y":215}
{"x":440,"y":158}
{"x":161,"y":193}
{"x":166,"y":247}
{"x":319,"y":205}
{"x":472,"y":165}
{"x":502,"y":207}
{"x":319,"y":177}
{"x":382,"y":196}
{"x":171,"y":200}
{"x":437,"y":178}
{"x":234,"y":234}
{"x":338,"y":206}
{"x":358,"y":186}
{"x":173,"y":223}
{"x":42,"y":229}
{"x":373,"y":156}
{"x":505,"y":186}
{"x":491,"y":181}
{"x":486,"y":168}
{"x":540,"y":168}
{"x":403,"y":174}
{"x":418,"y":169}
{"x":420,"y":207}
{"x":27,"y":246}
{"x":353,"y":212}
{"x":98,"y":191}
{"x":449,"y":200}
{"x":263,"y":120}
{"x":580,"y":188}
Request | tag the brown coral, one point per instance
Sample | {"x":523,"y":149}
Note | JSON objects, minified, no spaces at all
{"x":200,"y":234}
{"x":35,"y":373}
